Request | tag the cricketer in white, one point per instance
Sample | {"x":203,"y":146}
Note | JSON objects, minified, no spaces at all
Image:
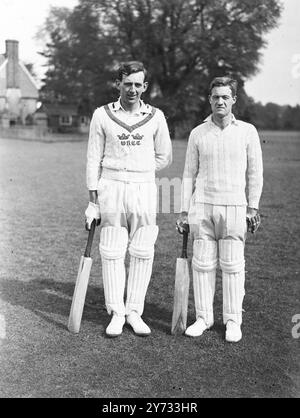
{"x":128,"y":141}
{"x":223,"y":157}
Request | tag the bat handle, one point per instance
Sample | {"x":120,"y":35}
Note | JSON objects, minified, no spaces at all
{"x":184,"y":244}
{"x":87,"y":252}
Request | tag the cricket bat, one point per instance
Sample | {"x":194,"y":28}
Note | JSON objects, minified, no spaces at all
{"x":181,"y":290}
{"x":81,"y":284}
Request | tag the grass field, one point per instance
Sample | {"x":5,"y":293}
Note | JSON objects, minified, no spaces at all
{"x":43,"y":198}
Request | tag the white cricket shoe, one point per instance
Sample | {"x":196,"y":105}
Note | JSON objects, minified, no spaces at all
{"x":233,"y":332}
{"x":115,"y":326}
{"x":197,"y":328}
{"x":137,"y":324}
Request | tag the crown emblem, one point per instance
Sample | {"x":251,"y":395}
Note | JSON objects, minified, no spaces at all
{"x":123,"y":137}
{"x":137,"y":137}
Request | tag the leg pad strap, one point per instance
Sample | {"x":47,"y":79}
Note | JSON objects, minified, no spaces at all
{"x":204,"y":255}
{"x":113,"y":242}
{"x":142,"y":244}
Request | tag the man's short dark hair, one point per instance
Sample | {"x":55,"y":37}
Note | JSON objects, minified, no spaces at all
{"x":130,"y":67}
{"x":224,"y":81}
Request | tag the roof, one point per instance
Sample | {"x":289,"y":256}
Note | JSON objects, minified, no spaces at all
{"x":58,"y":109}
{"x":28,"y":85}
{"x":2,"y":77}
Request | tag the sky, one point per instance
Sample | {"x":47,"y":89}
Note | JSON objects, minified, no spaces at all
{"x":277,"y":81}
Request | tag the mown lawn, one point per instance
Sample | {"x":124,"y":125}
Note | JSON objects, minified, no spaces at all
{"x":43,"y":198}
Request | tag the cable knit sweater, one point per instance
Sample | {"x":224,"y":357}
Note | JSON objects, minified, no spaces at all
{"x":220,"y":163}
{"x":127,"y":147}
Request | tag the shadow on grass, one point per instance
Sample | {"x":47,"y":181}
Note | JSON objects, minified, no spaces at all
{"x":48,"y":299}
{"x":161,"y":320}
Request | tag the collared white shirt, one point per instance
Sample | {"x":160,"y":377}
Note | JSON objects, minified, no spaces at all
{"x":220,"y":162}
{"x":127,"y":146}
{"x":142,"y":109}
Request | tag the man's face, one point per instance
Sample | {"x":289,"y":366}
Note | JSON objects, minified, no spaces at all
{"x":221,"y":101}
{"x":132,"y":87}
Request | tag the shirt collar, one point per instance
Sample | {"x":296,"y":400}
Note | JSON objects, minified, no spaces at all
{"x":144,"y":108}
{"x":233,"y":119}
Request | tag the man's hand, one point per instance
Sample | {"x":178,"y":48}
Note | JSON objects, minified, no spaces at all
{"x":253,"y":220}
{"x":92,"y":212}
{"x":182,"y":223}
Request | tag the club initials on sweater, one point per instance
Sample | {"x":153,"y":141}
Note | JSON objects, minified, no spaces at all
{"x":124,"y":139}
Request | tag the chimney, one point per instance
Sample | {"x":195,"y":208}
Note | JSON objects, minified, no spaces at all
{"x":12,"y":68}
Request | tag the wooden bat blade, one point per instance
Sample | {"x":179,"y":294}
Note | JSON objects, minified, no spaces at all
{"x":181,"y":296}
{"x":79,"y":294}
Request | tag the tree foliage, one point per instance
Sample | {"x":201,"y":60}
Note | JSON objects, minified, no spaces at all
{"x":183,"y":43}
{"x":273,"y":116}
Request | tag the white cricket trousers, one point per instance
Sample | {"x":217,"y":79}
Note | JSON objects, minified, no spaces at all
{"x":219,"y":234}
{"x":128,"y":221}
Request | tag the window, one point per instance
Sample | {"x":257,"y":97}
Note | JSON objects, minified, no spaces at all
{"x":65,"y":120}
{"x":84,"y":120}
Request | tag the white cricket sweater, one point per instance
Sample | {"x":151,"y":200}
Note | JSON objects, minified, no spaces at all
{"x":220,"y":163}
{"x":127,"y":147}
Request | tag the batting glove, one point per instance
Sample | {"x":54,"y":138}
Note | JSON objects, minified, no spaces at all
{"x":253,"y":223}
{"x":92,"y":212}
{"x":182,"y":225}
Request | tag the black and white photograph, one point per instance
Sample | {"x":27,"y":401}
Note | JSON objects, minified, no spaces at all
{"x":149,"y":197}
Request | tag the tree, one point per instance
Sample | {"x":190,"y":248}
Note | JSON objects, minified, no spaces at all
{"x":291,"y":117}
{"x":57,"y":37}
{"x":77,"y":58}
{"x":184,"y":43}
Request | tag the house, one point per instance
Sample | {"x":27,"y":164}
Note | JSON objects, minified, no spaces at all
{"x":19,"y":95}
{"x":62,"y":118}
{"x":19,"y":92}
